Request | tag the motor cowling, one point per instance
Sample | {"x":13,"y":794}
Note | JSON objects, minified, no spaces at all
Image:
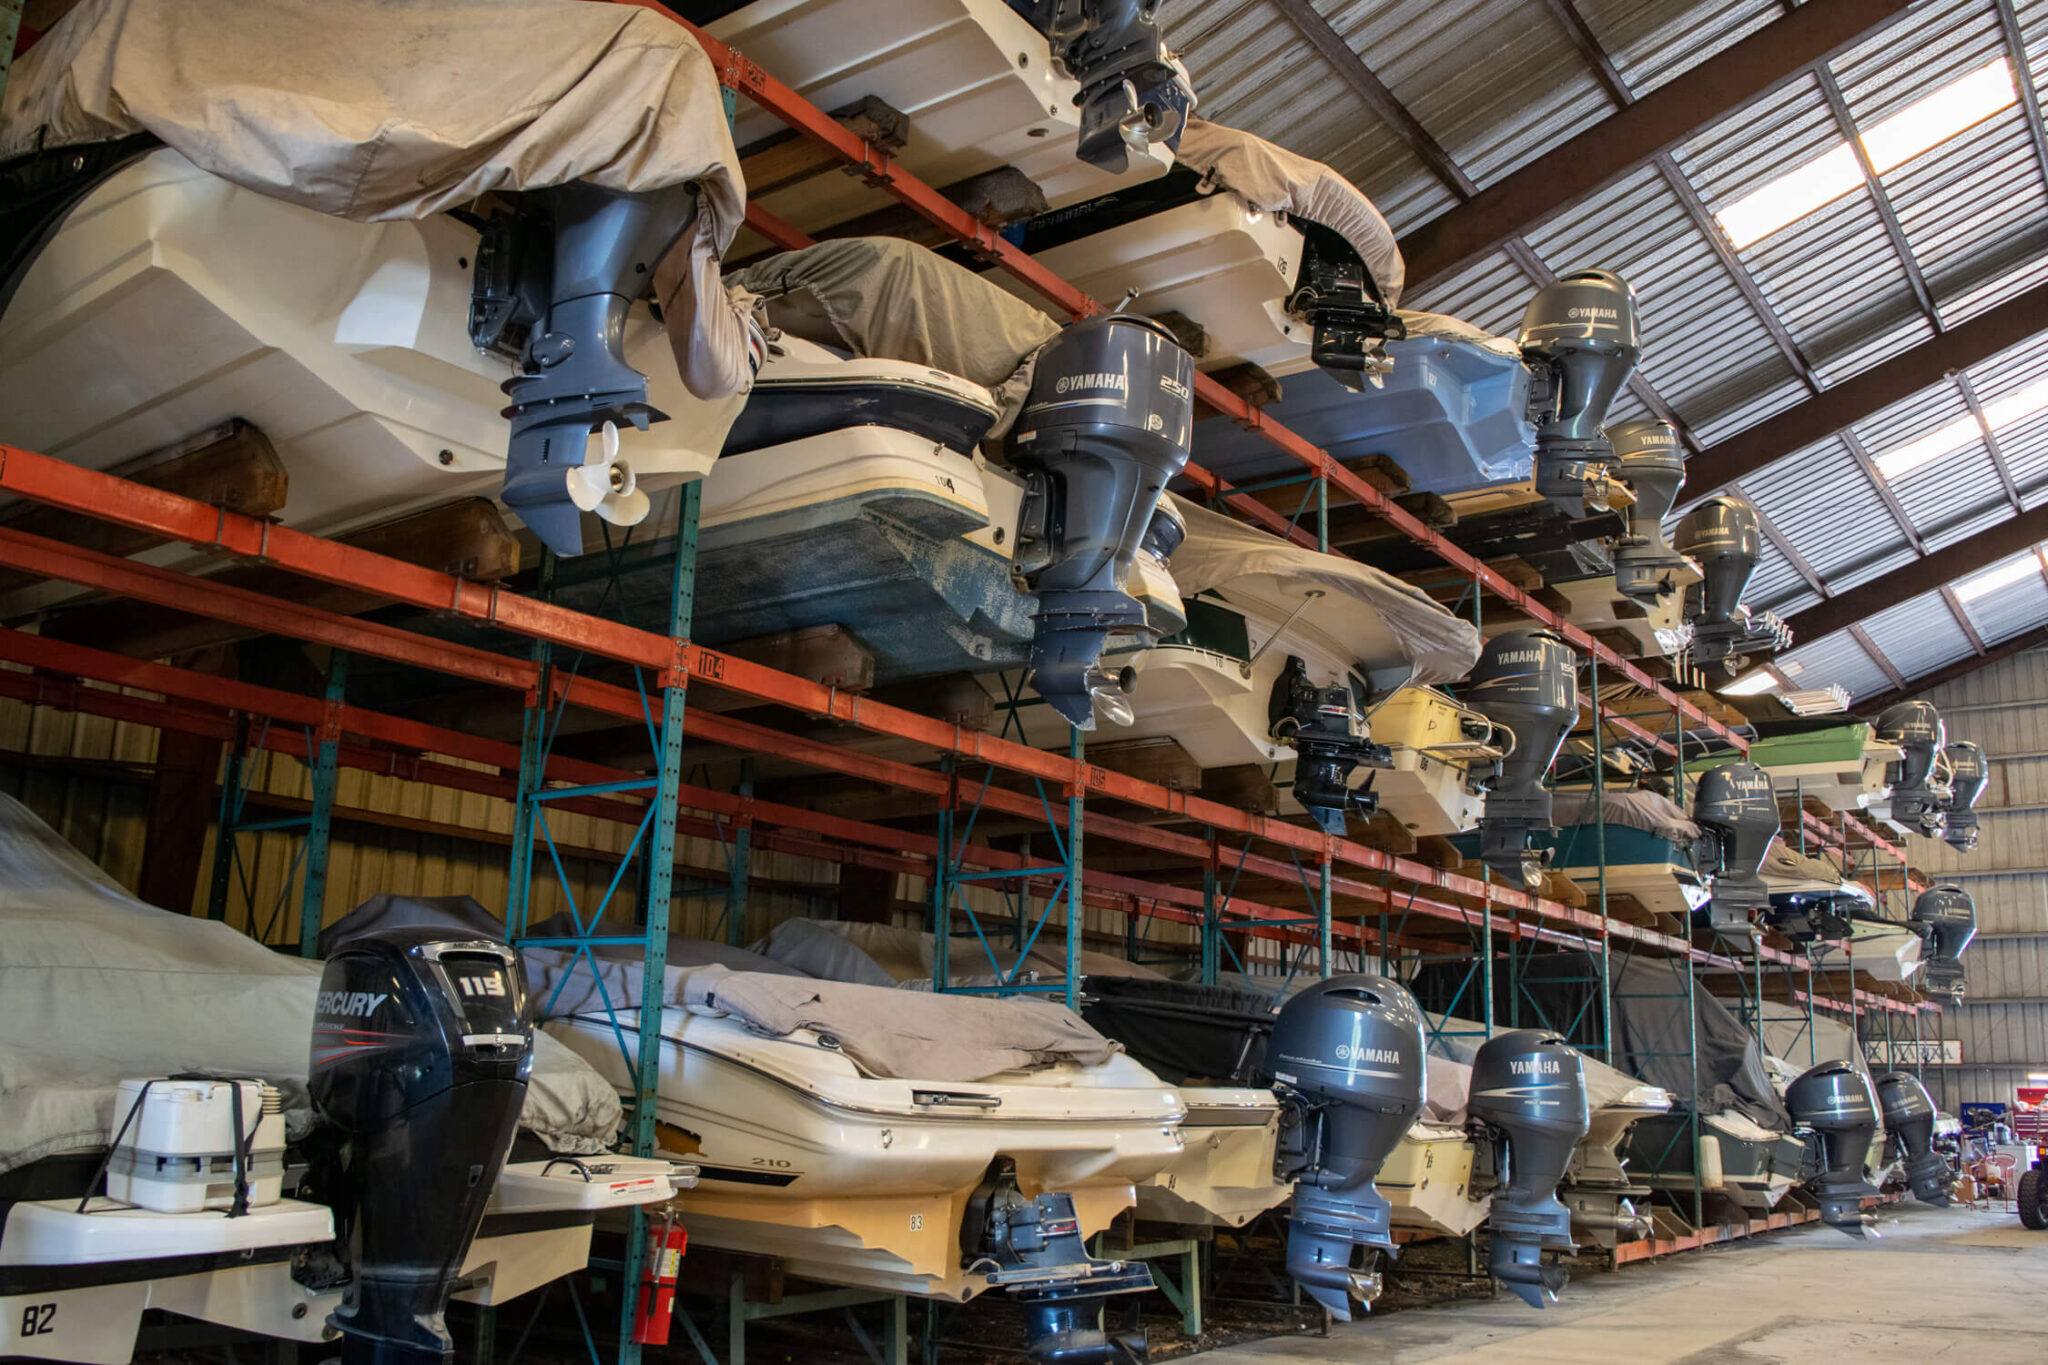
{"x":1916,"y":728}
{"x":1105,"y":427}
{"x":1580,"y":336}
{"x":1945,"y":918}
{"x":1724,"y":536}
{"x":1328,"y":734}
{"x":1835,"y":1106}
{"x":421,"y":1050}
{"x":1909,"y":1115}
{"x":1526,"y":681}
{"x":1737,"y":808}
{"x":1529,"y":1101}
{"x":1348,"y":1055}
{"x":1651,"y":461}
{"x":1968,"y":771}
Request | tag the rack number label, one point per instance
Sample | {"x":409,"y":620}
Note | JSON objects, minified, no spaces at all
{"x":917,"y":1222}
{"x":39,"y":1319}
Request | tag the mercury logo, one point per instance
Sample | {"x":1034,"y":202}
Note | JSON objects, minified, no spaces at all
{"x":349,"y":1004}
{"x":1594,"y":314}
{"x":1536,"y":1066}
{"x":1385,"y":1056}
{"x":1092,"y":380}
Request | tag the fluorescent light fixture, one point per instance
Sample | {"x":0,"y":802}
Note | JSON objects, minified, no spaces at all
{"x":1999,"y":414}
{"x":2037,"y":1075}
{"x":1999,"y":576}
{"x":1817,"y":701}
{"x":1751,"y":684}
{"x":1919,"y":127}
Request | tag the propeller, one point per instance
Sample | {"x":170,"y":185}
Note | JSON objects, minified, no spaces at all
{"x":605,"y":486}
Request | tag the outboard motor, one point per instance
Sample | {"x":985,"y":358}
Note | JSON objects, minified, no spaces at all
{"x":1328,"y":734}
{"x":1945,"y":918}
{"x":1725,"y":538}
{"x":1347,"y":1055}
{"x":1650,"y":460}
{"x":1579,"y":335}
{"x":1967,"y":773}
{"x":1837,"y":1107}
{"x":1909,"y":1115}
{"x":421,"y":1049}
{"x":1916,"y":727}
{"x":1529,"y":1100}
{"x":1737,"y":808}
{"x":1105,"y":427}
{"x":556,"y":288}
{"x":1133,"y":91}
{"x":1337,"y":294}
{"x":1527,"y":682}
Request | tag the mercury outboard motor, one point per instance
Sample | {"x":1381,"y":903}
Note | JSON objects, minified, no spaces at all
{"x":1945,"y":918}
{"x":1724,"y":536}
{"x":1650,"y":460}
{"x":1105,"y":427}
{"x":1347,"y":1055}
{"x":421,"y":1049}
{"x":1916,"y":727}
{"x":1529,"y":1100}
{"x":1837,"y":1107}
{"x":1525,"y":681}
{"x":1579,"y":335}
{"x":1737,"y":808}
{"x":1133,"y":92}
{"x":1909,"y":1115}
{"x":556,"y":289}
{"x":1328,"y":734}
{"x":1967,"y":774}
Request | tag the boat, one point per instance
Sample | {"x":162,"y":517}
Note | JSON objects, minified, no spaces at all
{"x":1812,"y":902}
{"x":1842,"y":766}
{"x":1649,"y":846}
{"x":1739,"y":1159}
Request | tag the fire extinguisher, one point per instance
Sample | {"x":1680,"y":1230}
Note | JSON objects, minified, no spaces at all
{"x":667,"y":1240}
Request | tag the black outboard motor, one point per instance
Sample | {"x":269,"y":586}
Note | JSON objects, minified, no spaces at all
{"x":1527,"y":682}
{"x":1737,"y":808}
{"x":1837,"y":1107}
{"x":1328,"y":733}
{"x":1945,"y":918}
{"x":1105,"y":427}
{"x":1342,"y":301}
{"x":1132,"y":92}
{"x":1529,"y":1101}
{"x":1909,"y":1115}
{"x":555,"y":289}
{"x":1967,"y":773}
{"x":1650,"y":460}
{"x":421,"y":1048}
{"x":1916,"y":727}
{"x":1347,"y":1053}
{"x":1725,"y":538}
{"x":1579,"y":335}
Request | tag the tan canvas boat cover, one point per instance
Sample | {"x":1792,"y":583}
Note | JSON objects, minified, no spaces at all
{"x":372,"y":110}
{"x":1644,"y":810}
{"x":1787,"y":864}
{"x":1275,"y":180}
{"x":1457,"y":329}
{"x":886,"y":955}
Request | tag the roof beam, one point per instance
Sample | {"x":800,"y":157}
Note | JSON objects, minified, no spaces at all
{"x":1658,"y":121}
{"x":1923,"y":575}
{"x":1961,"y":668}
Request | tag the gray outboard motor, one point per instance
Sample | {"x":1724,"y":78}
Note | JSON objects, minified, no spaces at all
{"x":1328,"y":734}
{"x":1579,"y":335}
{"x":1725,"y":538}
{"x":1347,"y":1053}
{"x":1650,"y":460}
{"x":421,"y":1049}
{"x":1526,"y":681}
{"x":1105,"y":427}
{"x":556,"y":289}
{"x":1835,"y":1104}
{"x":1737,"y":808}
{"x":1132,"y":92}
{"x":1909,"y":1115}
{"x":1916,"y":727}
{"x":1529,"y":1099}
{"x":1967,"y":773}
{"x":1945,"y":918}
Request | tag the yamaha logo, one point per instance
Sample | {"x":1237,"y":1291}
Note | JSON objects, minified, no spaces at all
{"x":1519,"y":656}
{"x":1091,"y":380}
{"x":1594,"y":314}
{"x":1537,"y":1066}
{"x":1385,"y":1056}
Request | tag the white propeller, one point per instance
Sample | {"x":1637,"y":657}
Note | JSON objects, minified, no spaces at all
{"x":604,"y":486}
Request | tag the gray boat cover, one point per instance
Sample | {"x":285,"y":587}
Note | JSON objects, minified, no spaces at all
{"x":1645,"y":810}
{"x":1450,"y":1072}
{"x":1785,"y":866}
{"x":458,"y":914}
{"x":885,"y":955}
{"x":371,"y":110}
{"x":1372,"y":613}
{"x":906,"y":1034}
{"x":97,"y":987}
{"x":1457,"y":329}
{"x":1275,"y":180}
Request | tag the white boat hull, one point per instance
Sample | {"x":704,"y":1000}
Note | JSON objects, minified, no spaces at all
{"x":1428,"y":1180}
{"x":1224,"y":1174}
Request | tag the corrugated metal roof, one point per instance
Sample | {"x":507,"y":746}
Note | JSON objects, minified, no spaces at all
{"x":1919,"y":636}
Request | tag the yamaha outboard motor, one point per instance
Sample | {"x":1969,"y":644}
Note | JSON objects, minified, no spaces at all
{"x":1834,"y":1103}
{"x":1967,"y":774}
{"x":1725,"y":538}
{"x":421,"y":1049}
{"x":1945,"y":918}
{"x":1737,"y":808}
{"x":1650,"y":460}
{"x":1579,"y":335}
{"x":555,"y":289}
{"x":1916,"y":727}
{"x":1328,"y":734}
{"x":1347,"y":1055}
{"x":1105,"y":427}
{"x":1133,"y":92}
{"x":1525,"y":681}
{"x":1909,"y":1115}
{"x":1529,"y":1100}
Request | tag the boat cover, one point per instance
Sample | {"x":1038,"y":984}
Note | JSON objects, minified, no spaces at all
{"x":1450,"y":1072}
{"x":1787,"y":864}
{"x":1400,"y":620}
{"x":1276,"y":180}
{"x":1645,"y":810}
{"x":885,"y":955}
{"x":1448,"y":328}
{"x":376,"y":111}
{"x":1183,"y":1029}
{"x":96,"y":987}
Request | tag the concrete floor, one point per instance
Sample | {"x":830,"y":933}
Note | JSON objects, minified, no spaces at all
{"x":1940,"y":1285}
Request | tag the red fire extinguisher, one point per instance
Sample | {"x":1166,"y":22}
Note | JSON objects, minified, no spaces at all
{"x":667,"y":1240}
